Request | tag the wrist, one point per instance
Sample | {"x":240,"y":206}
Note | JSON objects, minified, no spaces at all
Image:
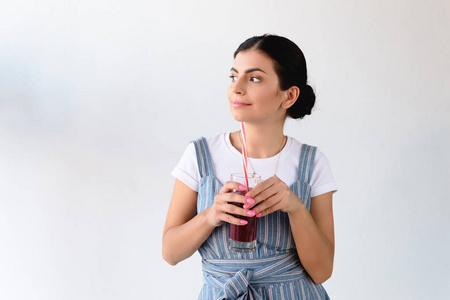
{"x":297,"y":208}
{"x":207,"y":220}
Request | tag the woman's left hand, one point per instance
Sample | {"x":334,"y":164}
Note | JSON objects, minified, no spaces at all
{"x":271,"y":195}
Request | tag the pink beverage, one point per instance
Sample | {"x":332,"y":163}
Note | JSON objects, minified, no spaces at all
{"x":242,"y":238}
{"x":243,"y":233}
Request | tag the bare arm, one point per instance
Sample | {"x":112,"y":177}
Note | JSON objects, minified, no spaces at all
{"x":314,"y":236}
{"x":313,"y":231}
{"x":185,"y":230}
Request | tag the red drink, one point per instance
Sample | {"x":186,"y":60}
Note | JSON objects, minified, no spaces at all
{"x":242,"y":238}
{"x":243,"y":233}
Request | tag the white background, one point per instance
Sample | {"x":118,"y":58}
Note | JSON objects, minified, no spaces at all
{"x":98,"y":100}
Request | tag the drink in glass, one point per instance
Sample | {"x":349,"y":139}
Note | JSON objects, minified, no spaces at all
{"x":242,"y":238}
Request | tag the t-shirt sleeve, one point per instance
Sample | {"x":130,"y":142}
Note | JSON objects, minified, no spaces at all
{"x":322,"y":180}
{"x":187,"y":168}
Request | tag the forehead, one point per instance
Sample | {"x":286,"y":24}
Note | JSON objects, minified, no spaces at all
{"x":250,"y":59}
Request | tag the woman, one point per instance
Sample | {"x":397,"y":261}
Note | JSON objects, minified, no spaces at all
{"x":293,"y":203}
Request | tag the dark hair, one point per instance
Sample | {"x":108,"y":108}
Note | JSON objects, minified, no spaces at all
{"x":290,"y":66}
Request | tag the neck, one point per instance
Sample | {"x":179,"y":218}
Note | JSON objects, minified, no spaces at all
{"x":262,"y":141}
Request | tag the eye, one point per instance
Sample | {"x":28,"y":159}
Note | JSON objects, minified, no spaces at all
{"x":255,"y":79}
{"x":233,"y":78}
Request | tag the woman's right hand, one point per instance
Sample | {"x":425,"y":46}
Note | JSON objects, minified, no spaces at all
{"x":223,"y":210}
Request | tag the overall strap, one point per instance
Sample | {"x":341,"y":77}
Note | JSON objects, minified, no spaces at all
{"x":306,"y":164}
{"x":204,"y":161}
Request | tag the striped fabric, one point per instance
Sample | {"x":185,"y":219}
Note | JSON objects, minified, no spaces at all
{"x":273,"y":270}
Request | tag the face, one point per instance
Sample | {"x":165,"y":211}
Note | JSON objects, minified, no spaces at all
{"x":254,"y":94}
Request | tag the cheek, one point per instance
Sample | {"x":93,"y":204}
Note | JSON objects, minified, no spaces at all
{"x":269,"y":96}
{"x":269,"y":100}
{"x":229,"y":93}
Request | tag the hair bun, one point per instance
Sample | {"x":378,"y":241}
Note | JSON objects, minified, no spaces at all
{"x":304,"y":104}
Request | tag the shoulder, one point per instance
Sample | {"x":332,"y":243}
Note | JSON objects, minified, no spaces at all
{"x":212,"y":142}
{"x":187,"y":169}
{"x":216,"y":140}
{"x":322,"y":179}
{"x":212,"y":139}
{"x":298,"y":147}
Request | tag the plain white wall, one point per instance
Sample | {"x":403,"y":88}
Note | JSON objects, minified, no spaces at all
{"x":98,"y":100}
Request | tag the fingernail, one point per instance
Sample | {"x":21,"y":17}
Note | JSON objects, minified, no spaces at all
{"x":243,"y":222}
{"x":247,"y":195}
{"x":246,"y":206}
{"x":258,"y":215}
{"x":250,"y":200}
{"x":242,"y":187}
{"x":251,"y":213}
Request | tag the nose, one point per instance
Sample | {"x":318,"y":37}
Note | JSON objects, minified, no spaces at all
{"x":238,"y":87}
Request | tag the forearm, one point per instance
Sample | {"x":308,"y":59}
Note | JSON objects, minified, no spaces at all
{"x":315,"y":250}
{"x":180,"y":242}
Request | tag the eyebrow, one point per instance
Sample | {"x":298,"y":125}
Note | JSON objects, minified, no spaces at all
{"x":249,"y":70}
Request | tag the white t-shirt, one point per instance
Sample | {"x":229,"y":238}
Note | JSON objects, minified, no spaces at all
{"x":227,"y":160}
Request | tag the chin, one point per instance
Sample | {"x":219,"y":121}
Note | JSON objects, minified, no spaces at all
{"x":239,"y":118}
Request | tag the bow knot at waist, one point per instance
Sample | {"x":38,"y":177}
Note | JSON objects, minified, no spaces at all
{"x":238,"y":279}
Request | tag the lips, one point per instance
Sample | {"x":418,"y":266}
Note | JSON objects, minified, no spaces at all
{"x":239,"y":104}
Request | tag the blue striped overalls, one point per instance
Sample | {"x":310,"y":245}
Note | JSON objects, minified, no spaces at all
{"x":273,"y":270}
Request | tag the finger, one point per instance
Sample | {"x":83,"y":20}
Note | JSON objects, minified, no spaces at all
{"x":234,"y":220}
{"x":234,"y":210}
{"x":266,"y":212}
{"x":232,"y":197}
{"x":232,"y":186}
{"x":271,"y":191}
{"x":262,"y":186}
{"x":278,"y":187}
{"x":237,"y":210}
{"x":227,"y":212}
{"x":269,"y":205}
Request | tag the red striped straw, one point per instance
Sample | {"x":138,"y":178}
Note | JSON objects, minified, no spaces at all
{"x":244,"y":153}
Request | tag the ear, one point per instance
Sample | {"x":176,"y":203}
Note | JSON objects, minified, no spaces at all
{"x":291,"y":96}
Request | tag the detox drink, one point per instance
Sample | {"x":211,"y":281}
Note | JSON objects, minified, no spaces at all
{"x":242,"y":238}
